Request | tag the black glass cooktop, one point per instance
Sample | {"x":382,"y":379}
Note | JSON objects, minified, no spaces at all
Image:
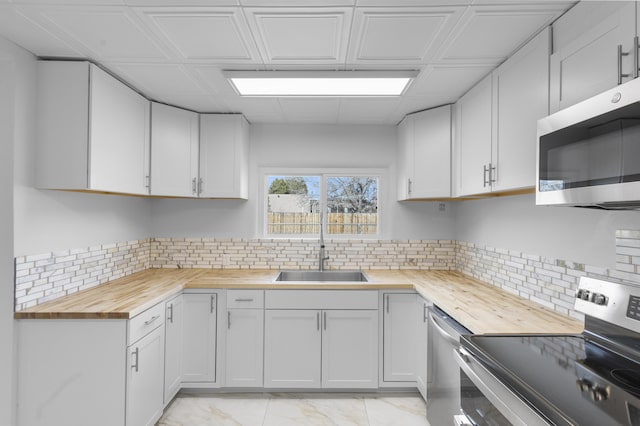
{"x":569,"y":379}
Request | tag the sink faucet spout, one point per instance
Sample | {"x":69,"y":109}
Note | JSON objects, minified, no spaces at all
{"x":321,"y":256}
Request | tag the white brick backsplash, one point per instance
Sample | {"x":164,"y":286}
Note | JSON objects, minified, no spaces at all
{"x":57,"y":274}
{"x":547,"y":281}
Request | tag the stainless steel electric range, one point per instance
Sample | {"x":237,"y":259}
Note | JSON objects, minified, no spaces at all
{"x":586,"y":379}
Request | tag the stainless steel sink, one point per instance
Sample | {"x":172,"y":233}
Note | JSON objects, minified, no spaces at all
{"x":347,"y":276}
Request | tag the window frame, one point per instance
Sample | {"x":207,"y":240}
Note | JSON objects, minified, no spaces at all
{"x":323,"y":173}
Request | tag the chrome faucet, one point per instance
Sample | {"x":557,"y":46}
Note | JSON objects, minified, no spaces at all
{"x":321,"y":256}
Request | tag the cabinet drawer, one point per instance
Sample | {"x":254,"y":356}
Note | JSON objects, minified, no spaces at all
{"x":321,"y":299}
{"x":245,"y":299}
{"x":147,"y":321}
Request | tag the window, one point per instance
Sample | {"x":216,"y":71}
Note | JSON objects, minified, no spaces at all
{"x":348,"y":203}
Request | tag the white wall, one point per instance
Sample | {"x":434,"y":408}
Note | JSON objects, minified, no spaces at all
{"x":54,"y":220}
{"x":304,"y":146}
{"x":569,"y":233}
{"x":7,"y":328}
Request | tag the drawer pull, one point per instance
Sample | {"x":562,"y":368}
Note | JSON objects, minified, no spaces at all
{"x":170,"y":317}
{"x":248,"y":299}
{"x":153,"y":318}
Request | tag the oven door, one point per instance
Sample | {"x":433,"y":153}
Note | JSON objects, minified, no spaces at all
{"x":485,"y":400}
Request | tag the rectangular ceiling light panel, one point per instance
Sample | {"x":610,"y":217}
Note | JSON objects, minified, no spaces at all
{"x":320,"y":83}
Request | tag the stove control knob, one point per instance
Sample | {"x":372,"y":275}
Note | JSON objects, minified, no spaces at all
{"x":599,"y":394}
{"x":584,"y":385}
{"x":583,"y":294}
{"x":599,"y":299}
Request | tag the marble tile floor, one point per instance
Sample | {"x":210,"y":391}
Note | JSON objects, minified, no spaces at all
{"x":272,"y":409}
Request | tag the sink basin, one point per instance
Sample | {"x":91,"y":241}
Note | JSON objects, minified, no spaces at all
{"x":350,"y":276}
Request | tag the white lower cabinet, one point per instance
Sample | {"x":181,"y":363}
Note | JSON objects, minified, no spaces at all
{"x":321,"y":339}
{"x":174,"y":319}
{"x":399,"y":323}
{"x":244,"y":339}
{"x":292,"y":349}
{"x":422,"y":345}
{"x":199,"y":341}
{"x":349,"y":349}
{"x":145,"y":373}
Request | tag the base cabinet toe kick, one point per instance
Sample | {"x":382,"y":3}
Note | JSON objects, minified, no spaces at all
{"x":126,"y":371}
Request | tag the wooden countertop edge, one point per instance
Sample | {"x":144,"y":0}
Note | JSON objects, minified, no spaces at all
{"x":447,"y":289}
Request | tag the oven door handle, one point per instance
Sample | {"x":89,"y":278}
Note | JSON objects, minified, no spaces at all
{"x":518,"y":412}
{"x":442,"y":331}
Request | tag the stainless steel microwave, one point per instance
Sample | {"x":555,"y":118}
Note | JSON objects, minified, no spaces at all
{"x":589,"y":154}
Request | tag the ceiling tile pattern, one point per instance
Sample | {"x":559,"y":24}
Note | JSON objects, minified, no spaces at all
{"x":174,"y":51}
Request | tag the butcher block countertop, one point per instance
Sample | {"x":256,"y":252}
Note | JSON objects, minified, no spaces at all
{"x":480,"y":307}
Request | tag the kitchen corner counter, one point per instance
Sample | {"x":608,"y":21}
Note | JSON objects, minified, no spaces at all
{"x":483,"y":308}
{"x":478,"y":306}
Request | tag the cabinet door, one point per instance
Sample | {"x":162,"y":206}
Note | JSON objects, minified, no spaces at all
{"x":399,"y":336}
{"x":244,"y":349}
{"x":224,"y":156}
{"x":119,"y":135}
{"x":473,"y":140}
{"x":174,"y":153}
{"x":588,"y":65}
{"x":350,"y":349}
{"x":405,"y":158}
{"x":432,"y":154}
{"x":292,"y":349}
{"x":199,"y":337}
{"x":145,"y":372}
{"x":173,"y":347}
{"x":422,"y":341}
{"x":520,"y":99}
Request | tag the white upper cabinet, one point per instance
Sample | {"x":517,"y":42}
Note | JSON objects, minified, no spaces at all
{"x":198,"y":155}
{"x":92,"y":131}
{"x":495,"y":143}
{"x":588,"y":42}
{"x":424,"y":155}
{"x":174,"y":151}
{"x":521,"y":98}
{"x":224,"y":156}
{"x":473,"y":140}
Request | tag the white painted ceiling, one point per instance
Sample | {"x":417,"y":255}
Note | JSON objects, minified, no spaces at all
{"x":174,"y":51}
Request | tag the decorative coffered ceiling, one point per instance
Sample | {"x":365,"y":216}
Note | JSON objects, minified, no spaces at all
{"x":174,"y":51}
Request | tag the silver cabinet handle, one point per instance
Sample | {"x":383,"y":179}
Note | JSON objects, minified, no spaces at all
{"x":244,"y":300}
{"x":620,"y":55}
{"x":492,"y":173}
{"x":170,"y":317}
{"x":318,"y":320}
{"x":200,"y":185}
{"x":213,"y":303}
{"x":229,"y":320}
{"x":484,"y":176}
{"x":409,"y":185}
{"x":424,"y":312}
{"x":193,"y":186}
{"x":153,"y":318}
{"x":148,"y":181}
{"x":386,"y":296}
{"x":325,"y":320}
{"x":137,"y":354}
{"x":636,"y":61}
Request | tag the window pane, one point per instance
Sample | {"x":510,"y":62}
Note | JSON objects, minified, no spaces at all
{"x":352,"y":205}
{"x":293,"y":205}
